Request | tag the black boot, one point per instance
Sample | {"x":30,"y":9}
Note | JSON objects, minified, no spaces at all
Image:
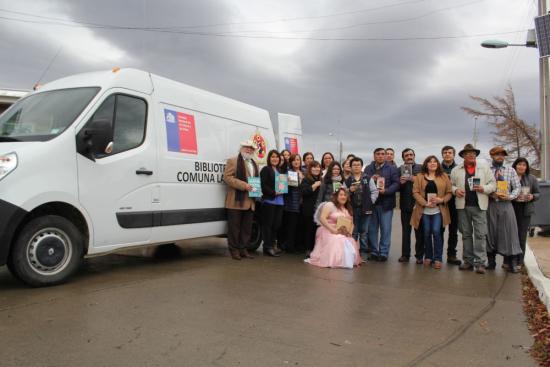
{"x":491,"y":264}
{"x":512,"y":264}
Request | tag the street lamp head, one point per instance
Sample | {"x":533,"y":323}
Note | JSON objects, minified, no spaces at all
{"x":494,"y":44}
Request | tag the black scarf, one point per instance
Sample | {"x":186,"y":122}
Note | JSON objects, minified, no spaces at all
{"x":241,"y":175}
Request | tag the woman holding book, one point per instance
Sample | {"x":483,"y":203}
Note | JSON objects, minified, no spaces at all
{"x":432,"y":192}
{"x":292,"y":200}
{"x":273,"y":202}
{"x":332,"y":181}
{"x":524,"y":206}
{"x":334,"y":245}
{"x":309,"y":189}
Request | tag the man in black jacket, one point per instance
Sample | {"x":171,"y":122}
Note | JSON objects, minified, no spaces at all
{"x":408,"y":170}
{"x":447,"y":164}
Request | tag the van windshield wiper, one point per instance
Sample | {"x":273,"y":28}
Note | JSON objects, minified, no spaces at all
{"x":8,"y":138}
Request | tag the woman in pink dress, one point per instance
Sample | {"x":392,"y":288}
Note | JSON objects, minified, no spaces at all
{"x":335,"y":247}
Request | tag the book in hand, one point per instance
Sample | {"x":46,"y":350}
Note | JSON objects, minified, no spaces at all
{"x":281,"y":184}
{"x":525,"y":190}
{"x":406,"y":171}
{"x":336,"y":186}
{"x":430,"y":196}
{"x":502,"y":187}
{"x":256,"y":187}
{"x":293,"y":180}
{"x":380,"y":182}
{"x":344,"y":222}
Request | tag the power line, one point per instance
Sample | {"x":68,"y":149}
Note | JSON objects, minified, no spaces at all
{"x":402,"y":20}
{"x":292,"y":19}
{"x":205,"y":34}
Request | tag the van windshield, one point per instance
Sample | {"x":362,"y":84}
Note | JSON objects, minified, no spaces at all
{"x":43,"y":116}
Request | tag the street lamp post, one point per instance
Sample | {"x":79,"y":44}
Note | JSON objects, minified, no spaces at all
{"x":544,"y":91}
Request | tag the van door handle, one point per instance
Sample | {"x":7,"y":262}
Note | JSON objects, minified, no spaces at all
{"x":144,"y":172}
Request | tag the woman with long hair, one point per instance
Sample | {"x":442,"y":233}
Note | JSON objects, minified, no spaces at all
{"x":326,"y":159}
{"x":333,"y":244}
{"x":310,"y":188}
{"x":524,"y":206}
{"x":292,"y":199}
{"x":331,"y":182}
{"x":432,"y":192}
{"x":273,"y":202}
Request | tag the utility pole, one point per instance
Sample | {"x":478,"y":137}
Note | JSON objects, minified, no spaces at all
{"x":544,"y":84}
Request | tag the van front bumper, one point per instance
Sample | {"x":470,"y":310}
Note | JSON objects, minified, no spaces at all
{"x":11,"y":217}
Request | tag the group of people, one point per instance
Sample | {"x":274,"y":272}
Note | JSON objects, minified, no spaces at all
{"x":341,"y":215}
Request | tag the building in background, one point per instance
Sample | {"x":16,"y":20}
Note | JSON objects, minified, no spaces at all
{"x":9,"y":96}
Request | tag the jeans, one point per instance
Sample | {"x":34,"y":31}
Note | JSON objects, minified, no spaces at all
{"x":433,"y":241}
{"x":472,"y":223}
{"x":360,"y":228}
{"x":380,"y":219}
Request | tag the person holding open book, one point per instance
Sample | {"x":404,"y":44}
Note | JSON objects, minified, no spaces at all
{"x":432,"y":192}
{"x":334,"y":245}
{"x":292,"y":199}
{"x":472,"y":184}
{"x":239,"y":201}
{"x":524,"y":206}
{"x":502,"y":237}
{"x":273,"y":188}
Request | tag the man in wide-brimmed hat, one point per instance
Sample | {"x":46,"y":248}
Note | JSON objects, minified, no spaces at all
{"x":240,"y":206}
{"x":472,"y":184}
{"x":502,"y":235}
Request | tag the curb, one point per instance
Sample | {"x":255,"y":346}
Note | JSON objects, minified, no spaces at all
{"x":541,"y":282}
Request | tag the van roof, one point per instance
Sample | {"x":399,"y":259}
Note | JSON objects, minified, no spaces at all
{"x":166,"y":91}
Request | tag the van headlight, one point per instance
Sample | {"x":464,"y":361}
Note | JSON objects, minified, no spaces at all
{"x":8,"y":162}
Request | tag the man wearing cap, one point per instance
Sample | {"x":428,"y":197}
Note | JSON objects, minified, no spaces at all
{"x":502,"y":226}
{"x":240,"y":207}
{"x":472,"y":184}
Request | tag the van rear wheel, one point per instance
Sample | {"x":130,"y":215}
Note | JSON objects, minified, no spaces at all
{"x":48,"y":251}
{"x":255,"y":237}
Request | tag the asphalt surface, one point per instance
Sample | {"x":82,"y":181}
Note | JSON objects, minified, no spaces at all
{"x":197,"y":307}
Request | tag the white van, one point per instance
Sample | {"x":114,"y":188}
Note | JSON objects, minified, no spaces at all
{"x":103,"y":161}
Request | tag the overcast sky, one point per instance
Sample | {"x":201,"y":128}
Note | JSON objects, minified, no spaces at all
{"x":371,"y":91}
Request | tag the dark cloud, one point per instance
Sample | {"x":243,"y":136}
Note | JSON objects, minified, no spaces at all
{"x":388,"y":93}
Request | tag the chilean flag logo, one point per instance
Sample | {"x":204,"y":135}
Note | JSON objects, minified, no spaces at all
{"x":180,"y":132}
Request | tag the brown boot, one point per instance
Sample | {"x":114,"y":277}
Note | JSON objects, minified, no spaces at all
{"x":245,"y":254}
{"x":235,"y":254}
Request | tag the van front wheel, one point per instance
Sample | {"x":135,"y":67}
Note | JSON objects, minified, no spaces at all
{"x":48,"y":250}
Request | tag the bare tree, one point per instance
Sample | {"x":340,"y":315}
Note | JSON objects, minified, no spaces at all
{"x":510,"y":131}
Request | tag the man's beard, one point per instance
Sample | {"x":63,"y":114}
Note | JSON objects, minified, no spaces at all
{"x":246,"y":156}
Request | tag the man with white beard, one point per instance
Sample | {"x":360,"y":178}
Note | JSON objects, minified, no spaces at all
{"x":240,"y":206}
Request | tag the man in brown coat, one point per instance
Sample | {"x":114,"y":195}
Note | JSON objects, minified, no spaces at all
{"x":240,"y":207}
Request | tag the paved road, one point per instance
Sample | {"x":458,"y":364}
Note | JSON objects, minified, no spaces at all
{"x":202,"y":308}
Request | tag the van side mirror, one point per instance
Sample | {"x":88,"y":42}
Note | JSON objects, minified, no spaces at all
{"x":95,"y":139}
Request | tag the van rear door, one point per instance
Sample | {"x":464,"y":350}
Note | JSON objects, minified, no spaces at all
{"x":118,"y":189}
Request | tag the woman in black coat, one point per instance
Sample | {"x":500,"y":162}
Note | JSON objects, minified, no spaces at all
{"x":309,"y":189}
{"x":272,"y":203}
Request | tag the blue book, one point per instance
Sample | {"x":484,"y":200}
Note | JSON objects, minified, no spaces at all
{"x":256,"y":187}
{"x":281,"y":183}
